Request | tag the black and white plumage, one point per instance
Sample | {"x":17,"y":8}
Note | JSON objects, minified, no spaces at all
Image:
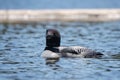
{"x":54,"y":50}
{"x":79,"y":52}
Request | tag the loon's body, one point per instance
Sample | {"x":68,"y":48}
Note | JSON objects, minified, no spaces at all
{"x":54,"y":50}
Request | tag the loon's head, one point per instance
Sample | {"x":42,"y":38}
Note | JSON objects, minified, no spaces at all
{"x":52,"y":38}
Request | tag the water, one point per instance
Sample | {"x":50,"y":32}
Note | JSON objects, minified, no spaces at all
{"x":22,"y":44}
{"x":58,"y":4}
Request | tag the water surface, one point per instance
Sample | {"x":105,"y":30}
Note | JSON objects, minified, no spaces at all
{"x":59,"y":4}
{"x":22,"y":44}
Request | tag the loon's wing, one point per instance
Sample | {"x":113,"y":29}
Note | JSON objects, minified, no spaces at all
{"x":78,"y":51}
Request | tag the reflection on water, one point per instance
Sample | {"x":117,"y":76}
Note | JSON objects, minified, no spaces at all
{"x":22,"y":45}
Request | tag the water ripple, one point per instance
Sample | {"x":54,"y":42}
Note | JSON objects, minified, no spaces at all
{"x":22,"y":45}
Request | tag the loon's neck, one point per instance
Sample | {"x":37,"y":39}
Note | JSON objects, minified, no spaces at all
{"x":53,"y":49}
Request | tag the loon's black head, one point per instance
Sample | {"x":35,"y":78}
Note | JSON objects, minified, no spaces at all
{"x":52,"y":38}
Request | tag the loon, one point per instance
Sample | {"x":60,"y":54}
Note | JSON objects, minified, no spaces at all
{"x":53,"y":50}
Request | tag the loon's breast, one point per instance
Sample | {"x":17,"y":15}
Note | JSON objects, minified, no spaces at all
{"x":49,"y":54}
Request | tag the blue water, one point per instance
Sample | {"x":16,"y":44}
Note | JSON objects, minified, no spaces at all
{"x":58,"y":4}
{"x":22,"y":44}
